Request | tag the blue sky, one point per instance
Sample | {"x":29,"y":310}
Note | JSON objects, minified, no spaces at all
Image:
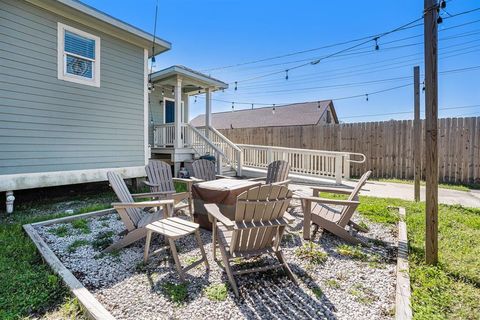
{"x":216,"y":33}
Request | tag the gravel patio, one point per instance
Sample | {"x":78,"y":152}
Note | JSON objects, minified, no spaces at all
{"x":337,"y":281}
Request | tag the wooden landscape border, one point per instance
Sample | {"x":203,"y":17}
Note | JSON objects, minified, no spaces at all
{"x":403,"y":307}
{"x":94,"y":308}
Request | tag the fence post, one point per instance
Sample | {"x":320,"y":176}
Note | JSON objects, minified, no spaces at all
{"x":346,"y":166}
{"x":338,"y":169}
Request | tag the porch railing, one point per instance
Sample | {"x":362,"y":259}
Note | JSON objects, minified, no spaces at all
{"x":317,"y":163}
{"x":164,"y":135}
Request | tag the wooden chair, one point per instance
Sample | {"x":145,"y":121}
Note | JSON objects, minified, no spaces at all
{"x":160,"y":181}
{"x":277,"y":173}
{"x":260,"y":221}
{"x":130,"y":212}
{"x":324,"y":214}
{"x":204,"y":170}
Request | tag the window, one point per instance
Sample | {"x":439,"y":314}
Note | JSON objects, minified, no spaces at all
{"x":78,"y":56}
{"x":329,"y":117}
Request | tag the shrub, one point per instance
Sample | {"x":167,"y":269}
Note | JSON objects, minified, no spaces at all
{"x":217,"y":292}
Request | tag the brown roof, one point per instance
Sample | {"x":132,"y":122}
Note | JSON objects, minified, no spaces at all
{"x":297,"y":114}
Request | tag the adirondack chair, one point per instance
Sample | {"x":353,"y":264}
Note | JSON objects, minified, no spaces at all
{"x":260,"y":221}
{"x":160,"y":181}
{"x":130,"y":212}
{"x":277,"y":173}
{"x":324,"y":214}
{"x":204,"y":170}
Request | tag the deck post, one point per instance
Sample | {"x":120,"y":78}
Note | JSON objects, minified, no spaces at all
{"x":338,"y":169}
{"x":208,"y":110}
{"x":178,"y":114}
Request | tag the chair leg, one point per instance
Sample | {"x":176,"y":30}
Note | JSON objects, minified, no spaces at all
{"x":175,"y":258}
{"x":190,"y":207}
{"x":287,"y":269}
{"x":202,"y":250}
{"x":315,"y":230}
{"x":147,"y":246}
{"x":357,"y":227}
{"x":214,"y":241}
{"x":228,"y":270}
{"x":307,"y":219}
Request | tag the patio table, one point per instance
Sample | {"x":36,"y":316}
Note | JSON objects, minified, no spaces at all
{"x":223,"y":192}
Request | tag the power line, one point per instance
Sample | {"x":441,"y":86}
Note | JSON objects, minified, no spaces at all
{"x":408,"y":112}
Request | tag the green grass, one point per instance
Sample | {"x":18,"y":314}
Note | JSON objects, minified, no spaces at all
{"x":217,"y":292}
{"x":312,"y":253}
{"x":28,"y":287}
{"x":352,"y":252}
{"x":81,"y":225}
{"x":176,"y":293}
{"x":452,"y":186}
{"x":450,"y":290}
{"x":332,"y":283}
{"x":61,"y":231}
{"x":102,"y":240}
{"x":77,"y":244}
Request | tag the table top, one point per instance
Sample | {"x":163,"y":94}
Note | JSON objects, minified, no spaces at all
{"x":222,"y":191}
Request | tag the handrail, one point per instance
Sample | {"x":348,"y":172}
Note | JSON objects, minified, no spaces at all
{"x":225,"y":139}
{"x":292,"y":149}
{"x":213,"y":146}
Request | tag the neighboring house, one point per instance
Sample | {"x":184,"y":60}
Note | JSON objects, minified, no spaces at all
{"x":297,"y":114}
{"x":73,"y":94}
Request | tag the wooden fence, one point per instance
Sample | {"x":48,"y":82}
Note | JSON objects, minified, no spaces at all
{"x":388,"y":145}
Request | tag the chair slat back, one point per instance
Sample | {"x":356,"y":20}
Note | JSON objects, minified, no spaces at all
{"x":159,"y":172}
{"x":120,"y":188}
{"x":260,"y":204}
{"x":347,"y":213}
{"x":277,"y":171}
{"x":204,"y":169}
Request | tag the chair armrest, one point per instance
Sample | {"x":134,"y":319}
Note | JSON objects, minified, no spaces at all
{"x":152,"y":194}
{"x":331,"y":201}
{"x":188,"y":182}
{"x":196,"y":180}
{"x":213,"y":210}
{"x":282,"y":183}
{"x":145,"y":204}
{"x":149,"y":184}
{"x":257,"y":179}
{"x":316,"y":190}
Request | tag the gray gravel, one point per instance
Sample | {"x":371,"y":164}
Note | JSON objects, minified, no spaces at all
{"x":340,"y":288}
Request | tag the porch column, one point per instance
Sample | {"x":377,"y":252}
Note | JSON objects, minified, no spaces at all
{"x":178,"y":114}
{"x":208,"y":109}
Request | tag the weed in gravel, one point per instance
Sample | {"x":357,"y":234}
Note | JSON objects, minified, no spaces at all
{"x":216,"y":292}
{"x":82,"y":225}
{"x":363,"y":225}
{"x":61,"y":231}
{"x":317,"y":292}
{"x":352,"y":252}
{"x":77,"y":244}
{"x":332,"y":283}
{"x":192,"y":259}
{"x":104,"y":218}
{"x":312,"y":253}
{"x":176,"y":293}
{"x":102,"y":240}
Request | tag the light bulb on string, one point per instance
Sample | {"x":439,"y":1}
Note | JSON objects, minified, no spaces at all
{"x":233,"y":106}
{"x":195,"y":99}
{"x":163,"y":92}
{"x":236,"y":86}
{"x":443,"y":4}
{"x":366,"y":96}
{"x":154,"y":64}
{"x":377,"y":47}
{"x":286,"y":74}
{"x":173,"y":91}
{"x":273,"y":109}
{"x":252,"y":106}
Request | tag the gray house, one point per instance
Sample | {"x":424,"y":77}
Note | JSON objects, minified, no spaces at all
{"x":73,"y":94}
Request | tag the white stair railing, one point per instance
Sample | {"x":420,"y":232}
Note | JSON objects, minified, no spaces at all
{"x":233,"y":153}
{"x":318,"y":163}
{"x":202,"y":146}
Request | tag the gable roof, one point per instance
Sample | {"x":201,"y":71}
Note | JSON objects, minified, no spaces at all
{"x":83,"y":13}
{"x":297,"y":114}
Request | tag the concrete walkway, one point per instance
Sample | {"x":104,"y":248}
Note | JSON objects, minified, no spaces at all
{"x":379,"y":189}
{"x":405,"y":192}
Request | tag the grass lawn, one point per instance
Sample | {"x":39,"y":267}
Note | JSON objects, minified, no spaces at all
{"x":452,"y":186}
{"x":450,"y":290}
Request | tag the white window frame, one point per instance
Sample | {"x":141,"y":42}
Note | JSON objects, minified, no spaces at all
{"x":61,"y":57}
{"x":182,"y":116}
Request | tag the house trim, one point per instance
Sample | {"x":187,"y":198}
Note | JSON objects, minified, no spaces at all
{"x":61,"y":62}
{"x":145,"y":108}
{"x":21,"y":181}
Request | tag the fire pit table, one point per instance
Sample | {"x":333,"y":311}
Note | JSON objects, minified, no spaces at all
{"x":223,"y":192}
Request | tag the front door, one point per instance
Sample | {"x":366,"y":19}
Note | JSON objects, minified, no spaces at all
{"x":169,"y":111}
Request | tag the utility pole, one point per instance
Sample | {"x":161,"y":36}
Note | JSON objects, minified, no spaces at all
{"x":431,"y":128}
{"x":416,"y":132}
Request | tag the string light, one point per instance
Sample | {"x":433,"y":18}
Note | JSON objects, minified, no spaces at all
{"x":273,"y":109}
{"x":195,"y":99}
{"x":233,"y":106}
{"x":286,"y":74}
{"x":173,"y":91}
{"x":377,"y":47}
{"x":252,"y":106}
{"x":235,"y":85}
{"x":366,"y":95}
{"x":163,"y":92}
{"x":443,"y":4}
{"x":318,"y":105}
